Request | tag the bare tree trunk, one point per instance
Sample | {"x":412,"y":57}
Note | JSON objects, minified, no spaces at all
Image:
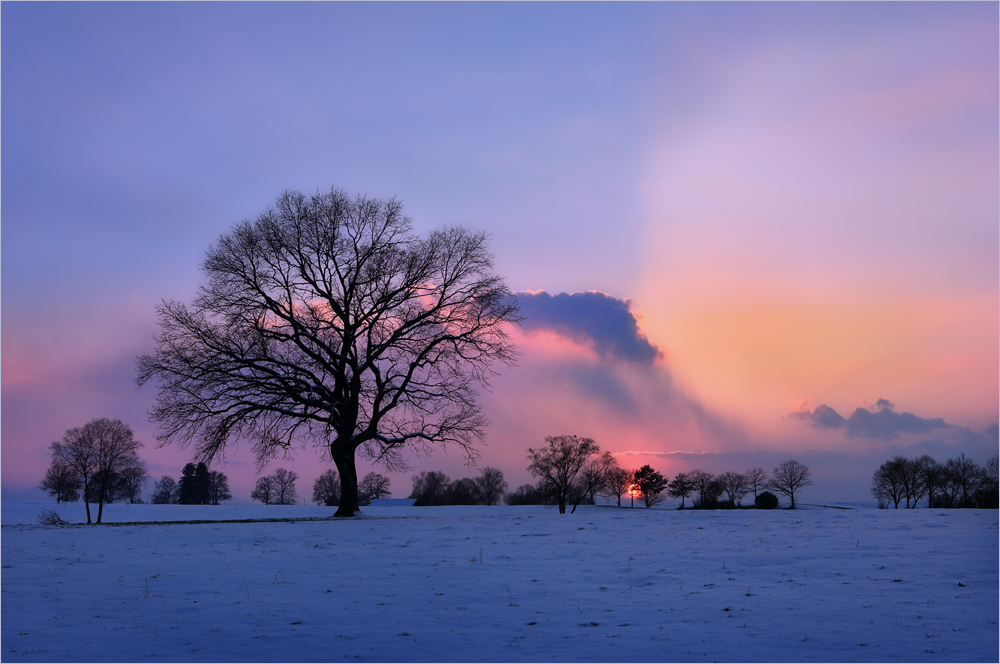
{"x":86,"y":502}
{"x":344,"y":460}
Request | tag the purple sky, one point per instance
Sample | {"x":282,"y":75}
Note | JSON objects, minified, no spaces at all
{"x":732,"y":224}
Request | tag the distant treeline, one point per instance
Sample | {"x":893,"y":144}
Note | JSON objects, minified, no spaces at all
{"x":959,"y":482}
{"x":573,"y":471}
{"x":436,"y":488}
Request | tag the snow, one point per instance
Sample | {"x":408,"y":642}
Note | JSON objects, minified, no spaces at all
{"x":500,"y":583}
{"x":393,"y":502}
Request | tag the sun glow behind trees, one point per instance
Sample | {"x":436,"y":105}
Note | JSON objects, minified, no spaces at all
{"x":832,"y":239}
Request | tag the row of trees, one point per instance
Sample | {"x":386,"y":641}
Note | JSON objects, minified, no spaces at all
{"x":429,"y":488}
{"x":959,"y":482}
{"x":436,"y":488}
{"x":729,"y":488}
{"x":327,"y":488}
{"x":573,"y":470}
{"x":197,"y":486}
{"x":98,"y":461}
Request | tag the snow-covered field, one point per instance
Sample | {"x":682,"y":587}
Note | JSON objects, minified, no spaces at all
{"x":501,"y":583}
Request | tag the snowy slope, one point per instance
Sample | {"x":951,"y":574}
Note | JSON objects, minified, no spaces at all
{"x":504,"y":583}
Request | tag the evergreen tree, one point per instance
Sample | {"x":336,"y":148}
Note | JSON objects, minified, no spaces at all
{"x":203,"y":485}
{"x":186,"y":486}
{"x":195,"y":485}
{"x":650,"y":484}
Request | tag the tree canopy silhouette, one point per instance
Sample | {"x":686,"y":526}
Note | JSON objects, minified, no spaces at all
{"x":789,"y":477}
{"x":328,"y":320}
{"x":97,"y":453}
{"x":559,"y":462}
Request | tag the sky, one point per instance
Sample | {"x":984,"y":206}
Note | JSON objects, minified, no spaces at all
{"x":739,"y":233}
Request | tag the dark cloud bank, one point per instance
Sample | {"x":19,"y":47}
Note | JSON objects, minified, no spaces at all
{"x":593,"y":318}
{"x":628,"y":380}
{"x":881,"y":421}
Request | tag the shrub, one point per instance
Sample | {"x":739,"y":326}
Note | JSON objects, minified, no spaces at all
{"x":50,"y":518}
{"x":766,"y":501}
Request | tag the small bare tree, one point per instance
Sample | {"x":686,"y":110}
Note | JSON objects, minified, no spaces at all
{"x":931,"y":476}
{"x":218,"y":487}
{"x":61,"y":483}
{"x":77,"y":454}
{"x":264,"y":490}
{"x":888,"y":482}
{"x":735,"y":485}
{"x":559,"y":462}
{"x":681,"y":487}
{"x":327,"y":320}
{"x":616,"y":478}
{"x":789,"y":477}
{"x":757,"y":480}
{"x":372,"y":487}
{"x":491,"y":486}
{"x":961,"y":479}
{"x":988,"y":495}
{"x":131,"y":480}
{"x":165,"y":491}
{"x":430,"y":487}
{"x":284,"y":486}
{"x":702,"y":481}
{"x":463,"y":491}
{"x":589,"y":482}
{"x":913,"y":482}
{"x":326,"y":489}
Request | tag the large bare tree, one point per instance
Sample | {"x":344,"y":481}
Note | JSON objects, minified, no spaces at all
{"x":328,"y":320}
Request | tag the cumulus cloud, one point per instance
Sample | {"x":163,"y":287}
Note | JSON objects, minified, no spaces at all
{"x":597,"y":319}
{"x":587,"y":369}
{"x":880,"y":421}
